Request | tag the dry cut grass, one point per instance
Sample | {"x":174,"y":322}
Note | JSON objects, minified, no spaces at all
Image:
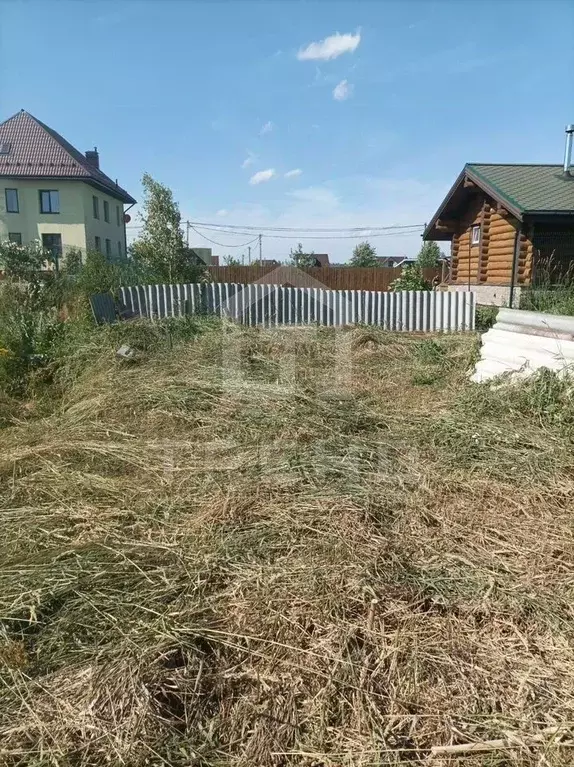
{"x":287,"y":548}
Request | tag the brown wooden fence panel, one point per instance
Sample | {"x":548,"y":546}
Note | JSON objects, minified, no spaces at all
{"x":332,"y":277}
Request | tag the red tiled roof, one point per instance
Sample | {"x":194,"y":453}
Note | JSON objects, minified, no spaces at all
{"x":30,"y":149}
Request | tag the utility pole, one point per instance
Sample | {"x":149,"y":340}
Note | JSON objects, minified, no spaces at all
{"x":249,"y":255}
{"x":187,"y":225}
{"x":260,"y":252}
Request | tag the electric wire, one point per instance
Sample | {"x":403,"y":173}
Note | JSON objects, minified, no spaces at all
{"x":222,"y":244}
{"x":215,"y":225}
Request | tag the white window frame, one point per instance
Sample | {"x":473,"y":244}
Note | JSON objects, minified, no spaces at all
{"x":475,"y":235}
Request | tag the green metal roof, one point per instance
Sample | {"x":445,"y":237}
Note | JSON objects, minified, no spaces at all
{"x":527,"y":188}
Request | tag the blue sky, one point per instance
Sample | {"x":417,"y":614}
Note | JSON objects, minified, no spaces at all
{"x":378,"y":120}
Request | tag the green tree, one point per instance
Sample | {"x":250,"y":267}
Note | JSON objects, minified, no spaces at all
{"x":231,"y":261}
{"x":23,"y":262}
{"x":300,"y":259}
{"x":364,"y":254}
{"x":411,"y":278}
{"x":160,"y":250}
{"x":429,"y":255}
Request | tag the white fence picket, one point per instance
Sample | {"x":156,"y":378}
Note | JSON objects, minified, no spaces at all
{"x":258,"y":304}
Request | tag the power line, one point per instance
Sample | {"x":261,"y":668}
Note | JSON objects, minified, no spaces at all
{"x":222,"y":244}
{"x":290,"y":233}
{"x":333,"y":233}
{"x":326,"y":236}
{"x":215,"y":225}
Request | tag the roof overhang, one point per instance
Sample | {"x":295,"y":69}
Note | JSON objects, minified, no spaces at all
{"x":463,"y":188}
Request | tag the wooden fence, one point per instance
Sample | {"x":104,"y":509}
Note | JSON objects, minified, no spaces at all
{"x":332,"y":277}
{"x":269,"y":305}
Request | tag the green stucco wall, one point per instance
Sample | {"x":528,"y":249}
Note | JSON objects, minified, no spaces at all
{"x":75,"y":222}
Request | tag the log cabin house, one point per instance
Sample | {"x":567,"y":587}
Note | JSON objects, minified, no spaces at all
{"x":505,"y":223}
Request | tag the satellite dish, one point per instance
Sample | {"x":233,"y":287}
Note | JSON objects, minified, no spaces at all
{"x":127,"y":218}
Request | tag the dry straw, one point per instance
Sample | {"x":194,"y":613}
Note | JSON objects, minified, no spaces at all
{"x":282,"y":560}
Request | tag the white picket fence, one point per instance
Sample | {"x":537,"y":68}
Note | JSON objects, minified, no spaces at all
{"x":269,"y":305}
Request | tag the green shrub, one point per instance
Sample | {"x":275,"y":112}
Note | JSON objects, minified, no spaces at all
{"x":99,"y":275}
{"x":552,"y":300}
{"x":28,"y":331}
{"x":553,"y":289}
{"x":547,"y":397}
{"x":411,"y":278}
{"x":485,"y":317}
{"x":430,"y":351}
{"x":22,"y":262}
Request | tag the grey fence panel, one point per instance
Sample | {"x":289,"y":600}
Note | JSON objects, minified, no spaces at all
{"x":272,"y":305}
{"x":103,"y":308}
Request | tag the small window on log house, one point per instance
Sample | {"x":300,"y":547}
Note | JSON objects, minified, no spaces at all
{"x":475,"y":239}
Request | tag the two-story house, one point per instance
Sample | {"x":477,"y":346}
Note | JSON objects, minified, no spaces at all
{"x":51,"y":192}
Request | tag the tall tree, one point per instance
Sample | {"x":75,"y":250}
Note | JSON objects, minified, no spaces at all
{"x":231,"y":261}
{"x":160,"y":249}
{"x":300,"y":259}
{"x":364,"y":254}
{"x":429,"y":255}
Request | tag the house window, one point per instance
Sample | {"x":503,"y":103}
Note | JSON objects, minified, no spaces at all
{"x":53,"y":244}
{"x":12,"y":201}
{"x":106,"y":211}
{"x":475,"y":238}
{"x":49,"y":201}
{"x":15,"y":237}
{"x":108,"y":247}
{"x":119,"y":249}
{"x":118,"y":215}
{"x":96,"y":206}
{"x":98,"y":243}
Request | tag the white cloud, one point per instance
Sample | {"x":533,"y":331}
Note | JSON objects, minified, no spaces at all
{"x":261,"y":176}
{"x":249,"y":160}
{"x":267,"y":128}
{"x":293,"y":173}
{"x":222,"y":212}
{"x":330,"y":47}
{"x":320,"y":196}
{"x":342,"y":91}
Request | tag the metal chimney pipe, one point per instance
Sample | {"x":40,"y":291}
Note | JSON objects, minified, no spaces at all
{"x":568,"y":148}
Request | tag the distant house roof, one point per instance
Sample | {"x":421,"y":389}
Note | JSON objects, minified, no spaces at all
{"x":202,"y":255}
{"x":322,"y":259}
{"x":394,"y":260}
{"x":30,"y":149}
{"x":522,"y":189}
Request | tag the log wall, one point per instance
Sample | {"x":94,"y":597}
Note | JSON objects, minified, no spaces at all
{"x":491,"y":261}
{"x":465,"y":257}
